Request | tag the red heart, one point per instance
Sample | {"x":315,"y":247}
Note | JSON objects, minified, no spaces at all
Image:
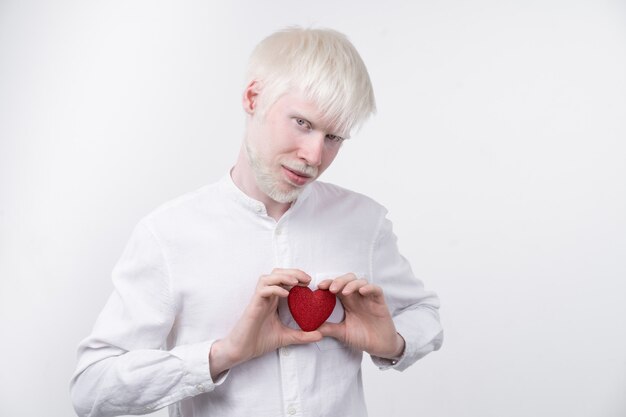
{"x":310,"y":308}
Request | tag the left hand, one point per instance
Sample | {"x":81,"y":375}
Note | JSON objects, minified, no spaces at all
{"x":368,"y":325}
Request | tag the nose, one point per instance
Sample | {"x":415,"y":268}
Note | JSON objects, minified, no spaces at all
{"x":311,"y":149}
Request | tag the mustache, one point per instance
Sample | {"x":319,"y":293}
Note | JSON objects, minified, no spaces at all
{"x":300,"y":168}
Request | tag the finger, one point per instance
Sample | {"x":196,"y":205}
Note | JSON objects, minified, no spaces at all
{"x":278,"y":279}
{"x":272,"y":290}
{"x":324,"y":285}
{"x":353,"y":286}
{"x":340,"y":282}
{"x":301,"y":276}
{"x":371,"y":290}
{"x":334,"y":330}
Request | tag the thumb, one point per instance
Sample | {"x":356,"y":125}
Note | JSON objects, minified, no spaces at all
{"x":298,"y":337}
{"x":334,"y":330}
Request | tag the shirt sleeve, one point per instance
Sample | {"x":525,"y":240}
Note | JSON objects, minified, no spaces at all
{"x":122,"y":366}
{"x":414,"y":310}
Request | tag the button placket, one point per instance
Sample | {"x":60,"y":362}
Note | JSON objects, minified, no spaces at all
{"x":287,"y":356}
{"x":281,"y":245}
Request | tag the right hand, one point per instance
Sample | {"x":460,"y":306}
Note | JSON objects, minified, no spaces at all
{"x":259,"y":330}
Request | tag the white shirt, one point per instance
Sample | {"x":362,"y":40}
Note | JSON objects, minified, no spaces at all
{"x":186,"y":275}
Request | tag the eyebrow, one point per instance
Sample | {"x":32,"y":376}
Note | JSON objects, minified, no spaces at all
{"x":299,"y":115}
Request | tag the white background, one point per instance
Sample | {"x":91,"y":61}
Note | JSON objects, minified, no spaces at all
{"x":499,"y":149}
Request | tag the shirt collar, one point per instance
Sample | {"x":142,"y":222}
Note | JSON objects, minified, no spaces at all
{"x":228,"y":185}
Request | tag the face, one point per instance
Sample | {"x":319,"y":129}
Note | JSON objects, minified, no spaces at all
{"x":289,"y":147}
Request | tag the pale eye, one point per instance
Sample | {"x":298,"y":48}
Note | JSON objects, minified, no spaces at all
{"x":334,"y":138}
{"x":303,"y":123}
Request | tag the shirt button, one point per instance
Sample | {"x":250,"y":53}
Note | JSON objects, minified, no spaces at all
{"x":200,"y":387}
{"x":258,"y":209}
{"x":285,"y":351}
{"x":278,"y":231}
{"x":291,"y":410}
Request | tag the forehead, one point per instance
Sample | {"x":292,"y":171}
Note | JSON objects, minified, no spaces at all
{"x":296,"y":103}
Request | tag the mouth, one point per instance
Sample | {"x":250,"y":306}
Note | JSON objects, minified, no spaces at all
{"x":296,"y":178}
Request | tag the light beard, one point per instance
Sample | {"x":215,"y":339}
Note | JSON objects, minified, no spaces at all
{"x":269,"y":184}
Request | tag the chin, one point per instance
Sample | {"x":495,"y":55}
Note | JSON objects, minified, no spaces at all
{"x":285,"y":196}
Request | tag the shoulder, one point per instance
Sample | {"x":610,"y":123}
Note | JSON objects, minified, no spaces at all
{"x":184,"y":210}
{"x":185,"y":201}
{"x":340,"y":198}
{"x":336,"y":193}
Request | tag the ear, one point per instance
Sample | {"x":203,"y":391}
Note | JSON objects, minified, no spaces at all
{"x":251,"y":97}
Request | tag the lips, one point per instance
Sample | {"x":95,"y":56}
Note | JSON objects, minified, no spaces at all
{"x":295,"y":177}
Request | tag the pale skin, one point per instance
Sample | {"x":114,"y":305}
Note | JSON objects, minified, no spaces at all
{"x":367,"y":325}
{"x":293,"y":133}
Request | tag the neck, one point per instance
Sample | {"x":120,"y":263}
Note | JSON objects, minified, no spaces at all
{"x":244,"y":179}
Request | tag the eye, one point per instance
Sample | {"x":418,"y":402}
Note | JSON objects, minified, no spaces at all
{"x":334,"y":138}
{"x":303,"y":123}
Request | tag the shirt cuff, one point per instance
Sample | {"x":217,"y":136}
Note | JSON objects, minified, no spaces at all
{"x":195,"y":359}
{"x":422,"y":334}
{"x":386,"y":363}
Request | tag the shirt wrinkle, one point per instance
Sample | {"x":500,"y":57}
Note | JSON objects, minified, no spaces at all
{"x":172,"y":302}
{"x":206,"y":256}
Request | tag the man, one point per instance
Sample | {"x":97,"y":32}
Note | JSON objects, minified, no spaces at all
{"x":198,"y":320}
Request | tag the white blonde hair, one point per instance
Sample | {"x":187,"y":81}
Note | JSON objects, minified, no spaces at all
{"x":323,"y":64}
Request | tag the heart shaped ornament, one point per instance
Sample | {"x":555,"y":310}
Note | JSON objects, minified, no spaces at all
{"x":310,"y":308}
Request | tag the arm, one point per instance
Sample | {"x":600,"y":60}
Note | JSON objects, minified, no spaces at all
{"x":414,"y":310}
{"x":392,"y":317}
{"x":122,"y":368}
